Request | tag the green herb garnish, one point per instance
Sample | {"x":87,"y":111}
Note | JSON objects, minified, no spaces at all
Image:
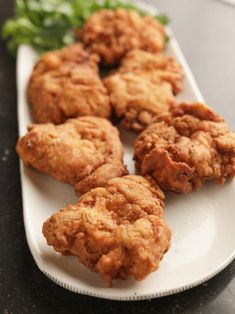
{"x":163,"y":19}
{"x":49,"y":24}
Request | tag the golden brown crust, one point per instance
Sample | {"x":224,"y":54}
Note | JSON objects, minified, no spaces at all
{"x":116,"y":231}
{"x":84,"y":152}
{"x":143,"y":88}
{"x":156,"y":66}
{"x":138,"y":98}
{"x":66,"y":84}
{"x":183,"y":149}
{"x":112,"y":33}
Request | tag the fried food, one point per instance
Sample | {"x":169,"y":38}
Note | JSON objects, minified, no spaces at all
{"x":66,"y":84}
{"x":183,"y":149}
{"x":138,"y":99}
{"x":143,"y":87}
{"x":156,"y":66}
{"x":84,"y":152}
{"x":116,"y":231}
{"x":112,"y":33}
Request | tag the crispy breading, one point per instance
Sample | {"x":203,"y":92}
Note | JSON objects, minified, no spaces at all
{"x":116,"y":231}
{"x":84,"y":152}
{"x":183,"y":149}
{"x":155,"y":65}
{"x":112,"y":33}
{"x":138,"y":99}
{"x":143,"y":87}
{"x":66,"y":84}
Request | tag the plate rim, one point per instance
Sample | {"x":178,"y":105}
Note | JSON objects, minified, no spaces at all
{"x":134,"y":297}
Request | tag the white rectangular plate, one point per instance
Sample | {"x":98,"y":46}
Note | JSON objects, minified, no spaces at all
{"x":202,"y":222}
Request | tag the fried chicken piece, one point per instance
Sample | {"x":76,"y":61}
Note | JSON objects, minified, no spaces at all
{"x":143,"y":87}
{"x":66,"y":84}
{"x":156,"y":65}
{"x":138,"y":99}
{"x":112,"y":33}
{"x":84,"y":152}
{"x":117,"y":230}
{"x":183,"y":149}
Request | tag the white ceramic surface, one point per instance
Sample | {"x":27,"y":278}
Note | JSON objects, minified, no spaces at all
{"x":202,"y":223}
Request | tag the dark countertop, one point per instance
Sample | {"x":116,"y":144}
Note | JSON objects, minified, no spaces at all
{"x":206,"y":33}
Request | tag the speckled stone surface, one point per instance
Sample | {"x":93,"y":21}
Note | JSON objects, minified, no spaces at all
{"x":206,"y":33}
